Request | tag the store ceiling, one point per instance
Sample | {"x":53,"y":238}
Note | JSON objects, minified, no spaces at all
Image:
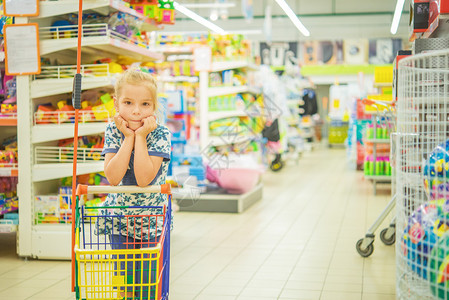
{"x":325,"y":19}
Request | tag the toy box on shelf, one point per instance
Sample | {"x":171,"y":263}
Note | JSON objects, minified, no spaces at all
{"x":162,"y":11}
{"x":8,"y":106}
{"x":8,"y":195}
{"x":57,"y":208}
{"x":99,"y":110}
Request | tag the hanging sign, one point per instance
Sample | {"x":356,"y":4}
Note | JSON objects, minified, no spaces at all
{"x":22,"y":49}
{"x":21,"y":8}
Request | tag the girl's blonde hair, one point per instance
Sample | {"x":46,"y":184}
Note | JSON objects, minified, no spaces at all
{"x":137,"y":77}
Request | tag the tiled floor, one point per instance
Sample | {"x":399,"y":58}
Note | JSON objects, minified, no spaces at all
{"x":297,"y":243}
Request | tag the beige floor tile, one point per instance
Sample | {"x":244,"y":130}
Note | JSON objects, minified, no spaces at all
{"x":267,"y":283}
{"x":182,"y":296}
{"x":261,"y":292}
{"x":354,"y":279}
{"x":342,"y":287}
{"x":300,"y":294}
{"x":304,"y":285}
{"x":222,"y":290}
{"x":328,"y":295}
{"x":214,"y":297}
{"x":366,"y":296}
{"x":18,"y":294}
{"x":298,"y":242}
{"x":9,"y":282}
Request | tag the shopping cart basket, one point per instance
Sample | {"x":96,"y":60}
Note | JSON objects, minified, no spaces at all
{"x":111,"y":261}
{"x":365,"y":246}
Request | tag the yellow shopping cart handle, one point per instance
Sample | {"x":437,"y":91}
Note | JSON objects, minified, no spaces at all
{"x":83,"y":189}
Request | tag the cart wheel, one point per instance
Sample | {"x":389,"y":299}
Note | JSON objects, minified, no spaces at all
{"x":364,"y":253}
{"x":385,"y":240}
{"x":276,"y":166}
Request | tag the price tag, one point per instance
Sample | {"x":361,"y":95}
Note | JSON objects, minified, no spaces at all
{"x":5,"y":172}
{"x":202,"y":59}
{"x":21,"y":8}
{"x":22,"y":49}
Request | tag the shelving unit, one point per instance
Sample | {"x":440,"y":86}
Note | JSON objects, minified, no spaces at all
{"x":222,"y":202}
{"x":8,"y":120}
{"x":206,"y":92}
{"x":8,"y":127}
{"x":104,"y":7}
{"x":37,"y":172}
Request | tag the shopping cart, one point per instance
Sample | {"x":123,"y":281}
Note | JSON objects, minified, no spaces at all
{"x":365,"y":245}
{"x":113,"y":263}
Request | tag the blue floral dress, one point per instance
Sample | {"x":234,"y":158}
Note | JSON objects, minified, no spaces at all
{"x":158,"y":144}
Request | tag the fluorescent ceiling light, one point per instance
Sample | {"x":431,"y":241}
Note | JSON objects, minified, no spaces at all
{"x":397,"y":16}
{"x":209,"y":5}
{"x":293,"y":17}
{"x":198,"y":18}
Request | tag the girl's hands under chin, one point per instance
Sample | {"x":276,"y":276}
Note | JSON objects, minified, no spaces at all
{"x":148,"y":125}
{"x":122,"y":125}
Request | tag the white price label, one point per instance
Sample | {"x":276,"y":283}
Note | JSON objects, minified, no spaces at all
{"x":202,"y":59}
{"x":5,"y":172}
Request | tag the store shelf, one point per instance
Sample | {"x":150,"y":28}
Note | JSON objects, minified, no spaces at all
{"x":97,"y":38}
{"x":42,"y":172}
{"x":254,"y":90}
{"x":226,"y":90}
{"x":221,"y":202}
{"x":192,"y":79}
{"x":104,"y":7}
{"x":7,"y":226}
{"x":48,"y":154}
{"x":9,"y":171}
{"x":8,"y":119}
{"x":377,"y":141}
{"x":51,"y":132}
{"x":378,"y":178}
{"x":174,"y":49}
{"x":228,"y":65}
{"x":216,"y":115}
{"x":59,"y":79}
{"x":45,"y":236}
{"x":228,"y":140}
{"x":382,"y":84}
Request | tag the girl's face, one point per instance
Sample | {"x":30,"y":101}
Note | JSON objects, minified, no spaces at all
{"x":135,"y":103}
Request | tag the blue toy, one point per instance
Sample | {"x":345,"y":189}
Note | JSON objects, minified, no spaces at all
{"x":436,"y":172}
{"x":424,"y":227}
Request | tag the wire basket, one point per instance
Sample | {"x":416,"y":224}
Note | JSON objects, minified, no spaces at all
{"x":122,"y":252}
{"x":422,"y":177}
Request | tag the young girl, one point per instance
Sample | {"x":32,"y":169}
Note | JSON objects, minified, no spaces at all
{"x":137,"y":152}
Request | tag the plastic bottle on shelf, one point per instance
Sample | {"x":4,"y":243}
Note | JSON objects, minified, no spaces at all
{"x":378,"y":132}
{"x":387,"y":167}
{"x":369,"y":131}
{"x":377,"y":167}
{"x":384,"y":133}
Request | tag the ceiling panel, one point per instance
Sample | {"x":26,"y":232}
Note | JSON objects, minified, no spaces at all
{"x":315,"y":7}
{"x":364,"y":6}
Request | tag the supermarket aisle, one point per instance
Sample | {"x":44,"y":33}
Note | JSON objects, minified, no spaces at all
{"x":297,"y":243}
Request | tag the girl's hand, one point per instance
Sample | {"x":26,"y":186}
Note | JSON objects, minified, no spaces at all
{"x":122,"y":125}
{"x":148,"y":125}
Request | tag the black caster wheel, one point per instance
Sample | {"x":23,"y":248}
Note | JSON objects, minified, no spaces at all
{"x":276,"y":166}
{"x":385,"y":240}
{"x":364,"y":253}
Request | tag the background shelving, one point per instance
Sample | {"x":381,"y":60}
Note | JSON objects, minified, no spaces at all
{"x":42,"y":172}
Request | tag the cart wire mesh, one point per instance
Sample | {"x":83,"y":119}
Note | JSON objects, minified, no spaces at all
{"x":422,"y":177}
{"x":122,"y":255}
